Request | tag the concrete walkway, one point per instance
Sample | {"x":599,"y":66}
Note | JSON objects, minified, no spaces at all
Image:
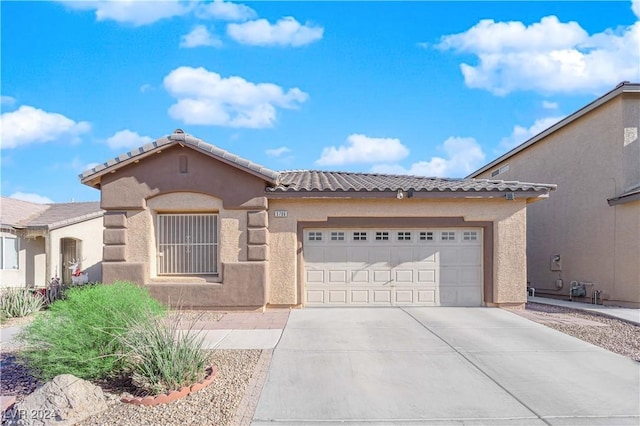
{"x":627,"y":314}
{"x":234,"y":330}
{"x":441,"y":366}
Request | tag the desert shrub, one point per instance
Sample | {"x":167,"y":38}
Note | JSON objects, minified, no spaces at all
{"x":161,"y":357}
{"x":79,"y":334}
{"x":19,"y":302}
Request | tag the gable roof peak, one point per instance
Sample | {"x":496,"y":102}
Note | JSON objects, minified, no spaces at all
{"x":92,"y":177}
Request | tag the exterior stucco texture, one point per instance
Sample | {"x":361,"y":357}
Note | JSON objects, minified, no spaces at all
{"x":594,"y":158}
{"x":260,"y":255}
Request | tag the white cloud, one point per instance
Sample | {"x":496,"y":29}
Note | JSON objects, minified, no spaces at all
{"x":549,"y":105}
{"x":546,"y":56}
{"x":363,"y":149}
{"x":463,"y":155}
{"x":204,"y":97}
{"x":225,"y":11}
{"x":146,"y":88}
{"x":126,"y":139}
{"x":277,"y":152}
{"x":521,"y":134}
{"x":286,"y":32}
{"x":134,"y":12}
{"x":28,"y":125}
{"x":635,"y":7}
{"x":31,"y":197}
{"x":7,"y":100}
{"x":200,"y":36}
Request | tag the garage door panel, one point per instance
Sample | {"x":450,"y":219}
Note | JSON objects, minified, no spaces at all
{"x":379,"y":255}
{"x":382,"y":296}
{"x":360,"y":297}
{"x":337,"y":276}
{"x":449,"y":256}
{"x":448,"y":276}
{"x":336,"y":254}
{"x":425,"y":254}
{"x":314,"y":254}
{"x":360,"y":276}
{"x":441,"y":269}
{"x":315,"y":276}
{"x":381,"y":276}
{"x":404,"y":297}
{"x":426,"y":276}
{"x":338,"y":296}
{"x":469,"y":256}
{"x":469,"y":276}
{"x":426,"y":296}
{"x":403,"y":276}
{"x":315,"y":296}
{"x":402,"y":256}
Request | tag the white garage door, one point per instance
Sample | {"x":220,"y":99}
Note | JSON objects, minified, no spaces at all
{"x":393,"y":267}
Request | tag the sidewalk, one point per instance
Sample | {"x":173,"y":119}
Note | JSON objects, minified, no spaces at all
{"x":244,"y":330}
{"x":234,"y":330}
{"x":626,"y":314}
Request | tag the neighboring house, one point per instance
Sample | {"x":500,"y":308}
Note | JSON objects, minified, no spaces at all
{"x":40,"y":241}
{"x":589,"y":231}
{"x":201,"y":227}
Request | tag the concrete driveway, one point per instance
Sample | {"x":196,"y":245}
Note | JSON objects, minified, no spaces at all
{"x":441,"y":366}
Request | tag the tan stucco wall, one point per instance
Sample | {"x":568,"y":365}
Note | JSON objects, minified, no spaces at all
{"x":31,"y":270}
{"x":508,"y":217}
{"x":90,"y":233}
{"x":141,"y":241}
{"x":590,"y":163}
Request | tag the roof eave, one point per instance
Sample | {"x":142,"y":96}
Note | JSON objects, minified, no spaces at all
{"x":94,"y":179}
{"x":618,"y":90}
{"x":509,"y":195}
{"x":624,"y":199}
{"x":75,"y":220}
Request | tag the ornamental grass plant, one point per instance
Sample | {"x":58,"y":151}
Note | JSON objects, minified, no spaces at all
{"x":19,"y":302}
{"x":161,"y":357}
{"x":79,"y":334}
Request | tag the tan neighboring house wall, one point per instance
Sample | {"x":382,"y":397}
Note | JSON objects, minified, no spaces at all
{"x":593,"y":156}
{"x":31,"y":269}
{"x":89,"y":232}
{"x":40,"y":230}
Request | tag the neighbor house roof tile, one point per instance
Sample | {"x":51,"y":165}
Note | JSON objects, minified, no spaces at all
{"x":23,"y":214}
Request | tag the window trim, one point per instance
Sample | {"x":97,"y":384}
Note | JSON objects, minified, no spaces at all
{"x":214,"y":245}
{"x":16,"y":245}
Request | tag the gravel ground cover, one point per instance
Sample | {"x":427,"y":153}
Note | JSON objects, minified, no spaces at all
{"x":612,"y":334}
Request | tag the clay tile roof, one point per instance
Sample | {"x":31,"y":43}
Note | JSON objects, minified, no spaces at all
{"x":23,"y":214}
{"x":13,"y":212}
{"x":179,"y":137}
{"x":324,"y":181}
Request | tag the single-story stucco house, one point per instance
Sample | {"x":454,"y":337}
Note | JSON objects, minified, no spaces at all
{"x":585,"y":240}
{"x":41,"y":241}
{"x":204,"y":228}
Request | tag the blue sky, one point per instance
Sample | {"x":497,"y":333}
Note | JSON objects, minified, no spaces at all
{"x":425,"y":88}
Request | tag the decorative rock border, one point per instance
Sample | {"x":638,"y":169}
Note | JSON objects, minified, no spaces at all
{"x":174,"y":395}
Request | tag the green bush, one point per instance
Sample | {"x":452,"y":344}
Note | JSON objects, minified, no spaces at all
{"x":19,"y":302}
{"x":161,"y":357}
{"x":79,"y":334}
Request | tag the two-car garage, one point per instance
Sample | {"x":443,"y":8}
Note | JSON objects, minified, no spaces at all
{"x":393,"y":267}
